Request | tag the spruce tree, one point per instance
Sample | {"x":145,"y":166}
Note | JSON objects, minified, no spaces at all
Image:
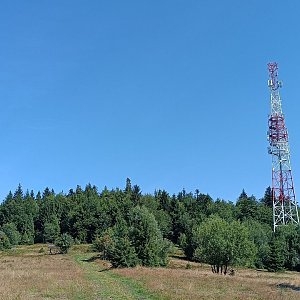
{"x":275,"y":261}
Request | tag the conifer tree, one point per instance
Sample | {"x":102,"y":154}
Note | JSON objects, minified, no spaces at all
{"x":275,"y":261}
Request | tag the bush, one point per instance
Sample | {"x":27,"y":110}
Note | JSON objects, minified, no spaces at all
{"x":221,"y":244}
{"x":51,"y":230}
{"x":4,"y":241}
{"x":116,"y":246}
{"x":152,"y":249}
{"x":123,"y":254}
{"x":12,"y":233}
{"x":137,"y":241}
{"x":27,"y":239}
{"x":188,"y":266}
{"x":261,"y":235}
{"x":104,"y":243}
{"x":64,"y":242}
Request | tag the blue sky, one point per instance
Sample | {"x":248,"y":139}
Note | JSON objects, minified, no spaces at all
{"x":172,"y":94}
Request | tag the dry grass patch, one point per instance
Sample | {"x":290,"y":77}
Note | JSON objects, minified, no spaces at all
{"x":28,"y":274}
{"x":199,"y":283}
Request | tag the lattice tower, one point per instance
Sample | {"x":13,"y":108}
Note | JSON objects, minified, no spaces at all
{"x":283,"y":193}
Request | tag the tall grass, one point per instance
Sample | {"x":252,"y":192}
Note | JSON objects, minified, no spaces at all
{"x":27,"y":273}
{"x":199,"y":282}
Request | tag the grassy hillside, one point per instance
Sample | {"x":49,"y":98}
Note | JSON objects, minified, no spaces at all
{"x":29,"y":273}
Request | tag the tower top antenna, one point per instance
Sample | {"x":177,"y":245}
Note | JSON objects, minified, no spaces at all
{"x":273,"y":82}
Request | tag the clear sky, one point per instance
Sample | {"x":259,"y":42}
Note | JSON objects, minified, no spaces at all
{"x":170,"y":93}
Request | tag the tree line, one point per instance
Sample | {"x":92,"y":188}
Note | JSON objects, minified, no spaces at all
{"x":130,"y":228}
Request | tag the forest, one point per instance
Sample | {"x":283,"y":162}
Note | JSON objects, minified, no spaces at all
{"x":129,"y":228}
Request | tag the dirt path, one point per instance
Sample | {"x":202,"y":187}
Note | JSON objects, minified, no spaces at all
{"x":110,"y":285}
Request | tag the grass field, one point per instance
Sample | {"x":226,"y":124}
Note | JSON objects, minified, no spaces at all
{"x":28,"y":273}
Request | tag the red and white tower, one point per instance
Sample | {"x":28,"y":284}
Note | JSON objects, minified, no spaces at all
{"x":283,"y":194}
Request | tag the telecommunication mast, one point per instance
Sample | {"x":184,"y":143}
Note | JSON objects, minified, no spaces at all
{"x":283,"y":194}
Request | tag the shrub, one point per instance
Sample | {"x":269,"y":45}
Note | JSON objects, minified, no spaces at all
{"x":4,"y":241}
{"x":64,"y":242}
{"x":51,"y":230}
{"x":221,"y":244}
{"x":104,"y":243}
{"x":12,"y":233}
{"x":138,"y":241}
{"x":26,"y":239}
{"x":188,"y":266}
{"x":152,"y":249}
{"x":123,"y":254}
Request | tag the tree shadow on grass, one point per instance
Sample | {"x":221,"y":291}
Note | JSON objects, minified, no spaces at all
{"x":92,"y":259}
{"x":288,"y":286}
{"x":104,"y":268}
{"x":180,"y":257}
